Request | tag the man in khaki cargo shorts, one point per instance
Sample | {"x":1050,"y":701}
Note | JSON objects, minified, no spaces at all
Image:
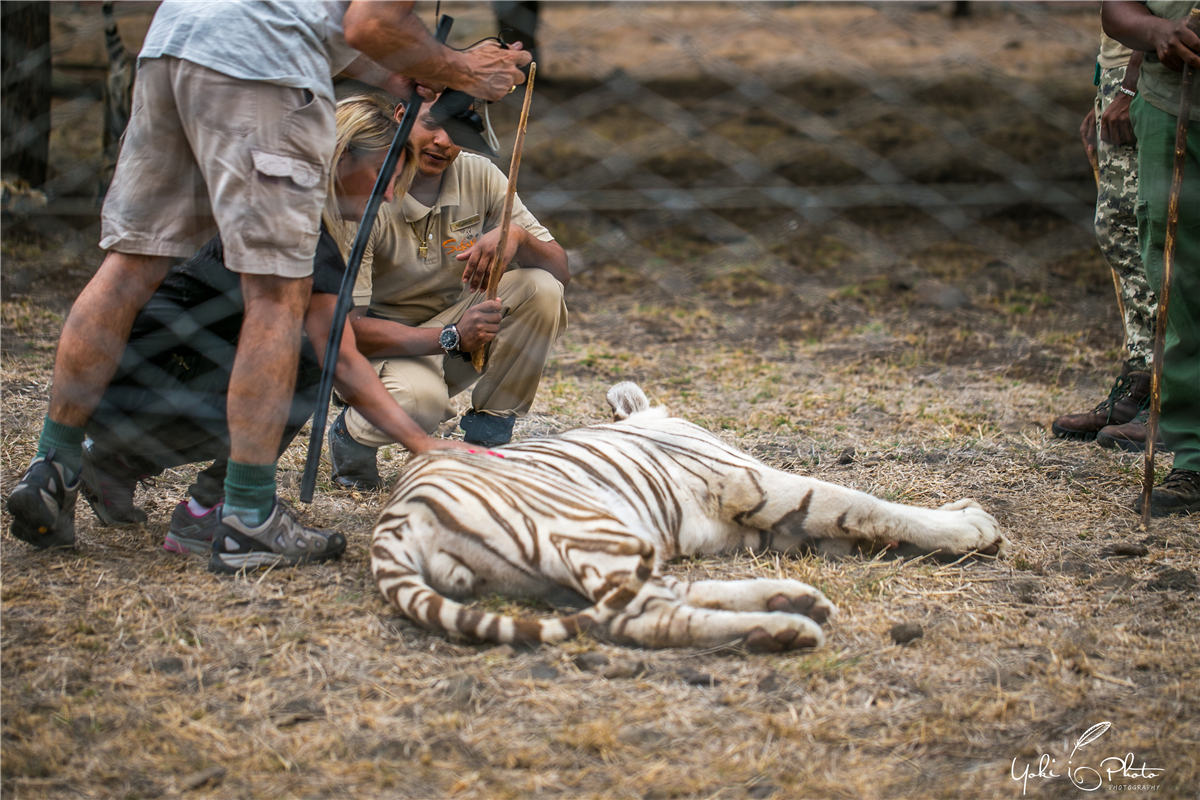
{"x":421,"y":279}
{"x":232,"y":129}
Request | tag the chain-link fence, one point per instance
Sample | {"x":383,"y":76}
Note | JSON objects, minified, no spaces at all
{"x":743,"y":128}
{"x":757,"y":126}
{"x":778,"y":148}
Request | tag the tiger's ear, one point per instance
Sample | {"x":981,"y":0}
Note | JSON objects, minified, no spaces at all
{"x":626,"y":399}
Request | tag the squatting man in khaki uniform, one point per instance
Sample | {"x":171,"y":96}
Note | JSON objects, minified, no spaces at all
{"x":419,"y":301}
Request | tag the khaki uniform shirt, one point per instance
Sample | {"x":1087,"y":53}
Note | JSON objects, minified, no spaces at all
{"x":401,"y":285}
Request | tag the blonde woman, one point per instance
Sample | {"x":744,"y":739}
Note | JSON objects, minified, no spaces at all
{"x":366,"y":127}
{"x":166,"y":405}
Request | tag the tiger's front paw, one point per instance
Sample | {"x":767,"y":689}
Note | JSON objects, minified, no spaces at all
{"x":998,"y":548}
{"x":978,"y":531}
{"x":966,"y":502}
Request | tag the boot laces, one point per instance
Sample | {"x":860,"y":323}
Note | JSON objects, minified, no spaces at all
{"x":1120,"y":389}
{"x":1143,"y":413}
{"x":1182,"y":480}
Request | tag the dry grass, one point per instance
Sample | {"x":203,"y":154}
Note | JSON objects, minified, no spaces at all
{"x":128,"y":672}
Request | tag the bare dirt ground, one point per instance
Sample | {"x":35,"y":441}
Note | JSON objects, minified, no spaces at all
{"x":131,"y":673}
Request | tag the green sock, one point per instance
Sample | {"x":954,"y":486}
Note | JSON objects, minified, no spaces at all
{"x":66,"y":441}
{"x":249,"y":492}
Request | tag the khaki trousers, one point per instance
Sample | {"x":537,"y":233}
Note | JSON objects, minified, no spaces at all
{"x":534,"y":316}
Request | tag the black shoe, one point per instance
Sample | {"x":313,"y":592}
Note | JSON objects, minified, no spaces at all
{"x":353,"y":464}
{"x":108,"y":486}
{"x":1179,"y":493}
{"x":42,"y":505}
{"x":486,"y":430}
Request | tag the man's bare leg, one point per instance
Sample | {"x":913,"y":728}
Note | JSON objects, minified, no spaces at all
{"x":42,"y":504}
{"x":253,"y":532}
{"x":261,"y":388}
{"x":97,"y":330}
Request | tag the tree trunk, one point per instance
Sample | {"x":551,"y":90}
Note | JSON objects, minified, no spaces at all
{"x":25,"y":67}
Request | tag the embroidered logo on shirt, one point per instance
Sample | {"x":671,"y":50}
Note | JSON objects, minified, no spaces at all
{"x":452,"y":246}
{"x":464,"y":223}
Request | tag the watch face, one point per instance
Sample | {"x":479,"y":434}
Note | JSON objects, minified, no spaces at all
{"x":449,"y":338}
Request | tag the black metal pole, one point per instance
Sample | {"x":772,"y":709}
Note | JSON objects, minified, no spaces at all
{"x":346,"y":292}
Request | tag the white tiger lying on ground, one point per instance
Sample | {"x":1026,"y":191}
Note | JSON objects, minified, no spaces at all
{"x":596,"y":511}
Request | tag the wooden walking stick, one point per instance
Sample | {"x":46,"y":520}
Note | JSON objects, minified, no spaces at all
{"x":1164,"y":295}
{"x":496,"y":269}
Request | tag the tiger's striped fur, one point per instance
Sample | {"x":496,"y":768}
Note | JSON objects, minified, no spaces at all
{"x":118,"y":98}
{"x":597,"y":511}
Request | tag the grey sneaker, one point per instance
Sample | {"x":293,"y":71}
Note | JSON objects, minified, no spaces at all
{"x":189,"y":533}
{"x":108,"y":486}
{"x":280,"y":541}
{"x":42,"y":505}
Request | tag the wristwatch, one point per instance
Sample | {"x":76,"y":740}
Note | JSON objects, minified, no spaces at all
{"x":448,"y":339}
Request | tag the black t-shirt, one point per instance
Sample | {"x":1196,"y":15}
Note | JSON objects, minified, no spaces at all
{"x":187,"y":335}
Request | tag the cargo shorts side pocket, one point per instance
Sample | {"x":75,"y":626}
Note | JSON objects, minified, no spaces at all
{"x":286,"y":197}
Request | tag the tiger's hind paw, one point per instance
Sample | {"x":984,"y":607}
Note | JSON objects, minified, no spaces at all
{"x":802,"y":636}
{"x":810,"y":603}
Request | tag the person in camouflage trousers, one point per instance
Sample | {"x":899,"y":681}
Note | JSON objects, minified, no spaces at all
{"x":1116,"y":222}
{"x":1107,"y":132}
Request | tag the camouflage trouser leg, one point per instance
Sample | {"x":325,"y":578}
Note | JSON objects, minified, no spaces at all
{"x":1117,"y":231}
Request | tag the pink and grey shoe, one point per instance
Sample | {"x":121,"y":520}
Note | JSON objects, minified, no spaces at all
{"x":190,"y":533}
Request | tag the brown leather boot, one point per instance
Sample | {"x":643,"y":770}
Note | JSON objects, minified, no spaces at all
{"x":1123,"y":403}
{"x":1131,"y":436}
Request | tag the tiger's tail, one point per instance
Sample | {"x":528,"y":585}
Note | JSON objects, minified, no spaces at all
{"x":113,"y":44}
{"x":118,"y":99}
{"x":112,"y":37}
{"x":406,"y":588}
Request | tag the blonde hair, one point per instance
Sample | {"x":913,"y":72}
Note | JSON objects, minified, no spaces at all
{"x":365,"y":126}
